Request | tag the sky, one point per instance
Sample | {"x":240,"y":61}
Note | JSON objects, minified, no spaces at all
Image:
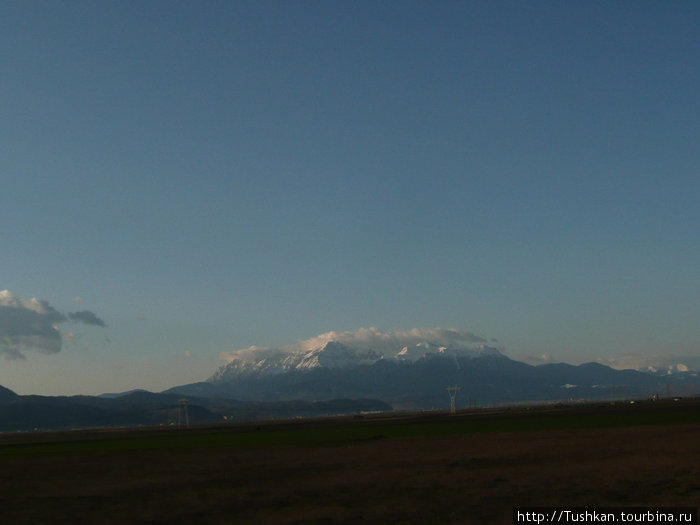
{"x":180,"y":179}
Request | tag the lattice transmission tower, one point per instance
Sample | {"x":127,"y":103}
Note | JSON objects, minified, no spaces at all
{"x":182,"y":411}
{"x":452,"y":391}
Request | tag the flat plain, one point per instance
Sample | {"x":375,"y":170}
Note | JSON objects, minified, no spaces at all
{"x":472,"y":467}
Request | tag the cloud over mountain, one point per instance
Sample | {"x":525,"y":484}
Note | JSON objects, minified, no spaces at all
{"x":31,"y":324}
{"x":365,"y":339}
{"x":654,"y":363}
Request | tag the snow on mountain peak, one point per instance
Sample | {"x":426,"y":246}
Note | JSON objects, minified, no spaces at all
{"x":348,"y":349}
{"x":336,"y":355}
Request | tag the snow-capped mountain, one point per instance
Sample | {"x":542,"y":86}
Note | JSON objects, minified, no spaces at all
{"x":411,"y":370}
{"x":336,"y":355}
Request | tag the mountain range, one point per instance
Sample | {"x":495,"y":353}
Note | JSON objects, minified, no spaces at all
{"x":337,"y":378}
{"x":416,"y":376}
{"x":143,"y":408}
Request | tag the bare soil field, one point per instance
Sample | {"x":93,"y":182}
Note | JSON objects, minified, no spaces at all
{"x":454,"y":476}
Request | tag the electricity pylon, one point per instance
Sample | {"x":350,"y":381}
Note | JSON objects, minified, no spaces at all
{"x":452,"y":391}
{"x":182,"y":409}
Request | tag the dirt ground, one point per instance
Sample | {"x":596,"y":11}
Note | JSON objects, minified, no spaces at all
{"x":455,"y":479}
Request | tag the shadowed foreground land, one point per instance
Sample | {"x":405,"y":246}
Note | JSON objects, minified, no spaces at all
{"x":472,"y":468}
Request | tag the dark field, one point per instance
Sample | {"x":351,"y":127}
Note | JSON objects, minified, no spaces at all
{"x":435,"y":468}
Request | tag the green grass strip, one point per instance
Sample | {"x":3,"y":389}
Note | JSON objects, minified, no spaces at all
{"x":340,"y":431}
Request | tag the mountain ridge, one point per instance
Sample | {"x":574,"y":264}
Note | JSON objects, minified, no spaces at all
{"x":485,"y":375}
{"x":328,"y":375}
{"x":334,"y":354}
{"x":144,"y":408}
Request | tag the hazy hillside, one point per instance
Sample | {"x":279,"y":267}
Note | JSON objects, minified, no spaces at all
{"x":142,"y":408}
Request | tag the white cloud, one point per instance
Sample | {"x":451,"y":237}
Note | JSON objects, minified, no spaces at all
{"x":31,"y":324}
{"x":256,"y":353}
{"x":383,"y":343}
{"x":10,"y":300}
{"x":652,"y":362}
{"x":540,"y":359}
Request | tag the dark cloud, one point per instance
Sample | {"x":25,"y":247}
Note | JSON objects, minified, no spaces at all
{"x":30,"y":324}
{"x":22,"y":328}
{"x":87,"y":317}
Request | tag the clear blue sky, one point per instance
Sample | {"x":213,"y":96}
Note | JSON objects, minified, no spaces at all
{"x":205,"y":176}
